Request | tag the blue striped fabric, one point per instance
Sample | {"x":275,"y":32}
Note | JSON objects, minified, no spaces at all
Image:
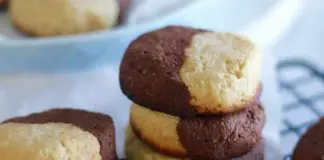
{"x":302,"y":89}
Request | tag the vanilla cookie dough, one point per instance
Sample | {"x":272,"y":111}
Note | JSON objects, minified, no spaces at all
{"x":187,"y":72}
{"x":63,"y":17}
{"x":51,"y":141}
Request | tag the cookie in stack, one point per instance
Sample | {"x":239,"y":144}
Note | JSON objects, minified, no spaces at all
{"x":58,"y":134}
{"x":195,"y":96}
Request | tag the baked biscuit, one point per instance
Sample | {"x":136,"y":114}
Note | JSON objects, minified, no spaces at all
{"x":205,"y":137}
{"x":99,"y":125}
{"x":62,"y":17}
{"x":185,"y":71}
{"x":51,"y":141}
{"x":310,"y":146}
{"x":136,"y":149}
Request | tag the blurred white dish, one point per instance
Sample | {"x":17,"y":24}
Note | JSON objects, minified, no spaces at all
{"x":262,"y":20}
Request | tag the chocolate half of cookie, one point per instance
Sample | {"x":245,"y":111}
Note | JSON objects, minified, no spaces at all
{"x":99,"y":125}
{"x":187,"y":72}
{"x":257,"y":153}
{"x":222,"y":137}
{"x":311,"y":145}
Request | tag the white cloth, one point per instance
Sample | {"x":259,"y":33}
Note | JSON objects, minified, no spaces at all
{"x":98,"y":90}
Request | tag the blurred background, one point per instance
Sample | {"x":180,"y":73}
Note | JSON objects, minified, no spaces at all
{"x":81,"y":69}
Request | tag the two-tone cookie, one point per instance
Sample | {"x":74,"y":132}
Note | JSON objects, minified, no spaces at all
{"x":58,"y":134}
{"x":207,"y":137}
{"x":136,"y":149}
{"x":311,"y":144}
{"x":186,"y":72}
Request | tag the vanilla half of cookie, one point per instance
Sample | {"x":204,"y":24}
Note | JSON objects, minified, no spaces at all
{"x":221,"y":71}
{"x":158,"y":129}
{"x":51,"y":141}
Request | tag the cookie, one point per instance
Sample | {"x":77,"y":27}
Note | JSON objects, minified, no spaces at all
{"x":136,"y":149}
{"x":62,"y":17}
{"x":186,"y":72}
{"x":205,"y":137}
{"x":310,"y":146}
{"x":51,"y":141}
{"x":99,"y":125}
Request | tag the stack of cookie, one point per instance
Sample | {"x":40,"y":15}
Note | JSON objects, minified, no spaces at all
{"x":196,"y":96}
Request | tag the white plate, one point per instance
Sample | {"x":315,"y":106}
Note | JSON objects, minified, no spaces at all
{"x":263,"y":21}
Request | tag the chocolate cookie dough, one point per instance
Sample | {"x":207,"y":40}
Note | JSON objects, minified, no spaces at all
{"x":186,"y":72}
{"x":223,"y":137}
{"x":149,"y":71}
{"x":257,"y":153}
{"x":311,"y":145}
{"x":100,"y":125}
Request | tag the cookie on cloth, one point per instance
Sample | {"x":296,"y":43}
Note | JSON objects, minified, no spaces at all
{"x":62,"y":17}
{"x":311,"y":144}
{"x":99,"y":125}
{"x":205,"y":137}
{"x":185,"y":71}
{"x":51,"y":141}
{"x":136,"y":149}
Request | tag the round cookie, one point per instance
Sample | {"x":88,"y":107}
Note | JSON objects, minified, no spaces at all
{"x":311,"y":144}
{"x":51,"y":141}
{"x":186,"y":72}
{"x":100,"y":125}
{"x":62,"y":17}
{"x":136,"y":149}
{"x":205,"y":137}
